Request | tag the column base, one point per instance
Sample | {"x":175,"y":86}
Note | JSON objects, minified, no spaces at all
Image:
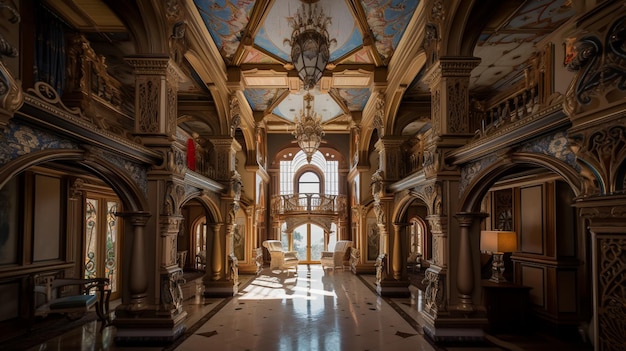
{"x":364,"y":269}
{"x":455,"y":327}
{"x":147,"y":328}
{"x":250,"y":269}
{"x":393,"y":288}
{"x":220,"y":288}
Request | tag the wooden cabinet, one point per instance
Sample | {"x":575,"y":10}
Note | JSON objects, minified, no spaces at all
{"x":508,"y":307}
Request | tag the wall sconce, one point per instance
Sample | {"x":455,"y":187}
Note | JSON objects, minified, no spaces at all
{"x":497,"y":242}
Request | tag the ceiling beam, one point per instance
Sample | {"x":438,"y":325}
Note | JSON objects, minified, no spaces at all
{"x":259,"y":12}
{"x":369,"y":42}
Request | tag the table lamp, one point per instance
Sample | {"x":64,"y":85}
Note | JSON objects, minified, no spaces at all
{"x":497,"y":242}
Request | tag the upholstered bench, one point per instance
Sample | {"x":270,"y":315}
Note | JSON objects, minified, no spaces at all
{"x":87,"y":293}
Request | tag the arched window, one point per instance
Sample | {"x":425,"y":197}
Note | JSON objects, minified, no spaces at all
{"x":309,"y":182}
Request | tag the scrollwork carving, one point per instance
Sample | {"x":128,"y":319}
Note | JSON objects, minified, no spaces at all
{"x":602,"y":67}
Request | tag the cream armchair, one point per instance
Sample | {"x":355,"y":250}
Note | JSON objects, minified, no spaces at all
{"x":280,"y":258}
{"x":337,"y":258}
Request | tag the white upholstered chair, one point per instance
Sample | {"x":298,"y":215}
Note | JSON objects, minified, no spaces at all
{"x":280,"y":258}
{"x":337,"y":258}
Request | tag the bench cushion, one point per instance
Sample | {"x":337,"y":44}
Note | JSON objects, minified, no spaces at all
{"x":73,"y":302}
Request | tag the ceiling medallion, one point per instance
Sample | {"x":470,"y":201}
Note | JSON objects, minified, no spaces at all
{"x":309,"y":130}
{"x":310,"y":42}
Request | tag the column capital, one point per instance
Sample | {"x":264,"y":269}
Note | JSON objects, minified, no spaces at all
{"x":139,"y":218}
{"x":451,"y":66}
{"x":466,"y":219}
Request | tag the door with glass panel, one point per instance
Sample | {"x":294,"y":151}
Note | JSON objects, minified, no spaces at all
{"x":102,"y":240}
{"x":308,"y":242}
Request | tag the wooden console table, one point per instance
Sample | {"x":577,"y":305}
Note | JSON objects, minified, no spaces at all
{"x":508,"y":306}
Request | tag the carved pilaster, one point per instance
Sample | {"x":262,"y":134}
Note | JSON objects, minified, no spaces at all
{"x":449,"y":85}
{"x":156,"y":91}
{"x":390,"y":156}
{"x":379,"y":115}
{"x":234,"y":113}
{"x":355,"y":132}
{"x":226,"y":149}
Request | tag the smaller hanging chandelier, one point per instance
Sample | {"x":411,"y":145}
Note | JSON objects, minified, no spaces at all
{"x":310,"y":43}
{"x":309,"y":130}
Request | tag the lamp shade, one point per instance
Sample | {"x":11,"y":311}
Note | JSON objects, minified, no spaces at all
{"x":498,"y":241}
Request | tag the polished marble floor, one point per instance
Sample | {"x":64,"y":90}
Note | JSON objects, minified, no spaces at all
{"x":311,"y":310}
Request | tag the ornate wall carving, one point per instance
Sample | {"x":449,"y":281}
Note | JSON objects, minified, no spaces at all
{"x":458,"y":121}
{"x":602,"y":151}
{"x":433,"y":294}
{"x":148,"y":91}
{"x":601,"y":67}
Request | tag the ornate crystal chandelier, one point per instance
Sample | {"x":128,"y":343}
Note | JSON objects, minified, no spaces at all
{"x":309,"y":130}
{"x":310,"y":43}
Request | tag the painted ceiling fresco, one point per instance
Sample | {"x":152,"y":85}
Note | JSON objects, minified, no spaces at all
{"x":228,"y":20}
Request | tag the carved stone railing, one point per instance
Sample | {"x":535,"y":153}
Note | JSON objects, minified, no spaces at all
{"x":309,"y":203}
{"x":513,"y":108}
{"x":413,"y":156}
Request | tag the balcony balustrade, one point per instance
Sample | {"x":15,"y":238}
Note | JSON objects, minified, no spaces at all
{"x":309,"y":203}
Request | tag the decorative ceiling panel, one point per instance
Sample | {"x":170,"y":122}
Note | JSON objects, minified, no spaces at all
{"x":360,"y":57}
{"x":275,"y":32}
{"x":388,"y":19}
{"x":261,"y":99}
{"x":256,"y":56}
{"x":355,"y":99}
{"x":226,"y":21}
{"x":323,"y":104}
